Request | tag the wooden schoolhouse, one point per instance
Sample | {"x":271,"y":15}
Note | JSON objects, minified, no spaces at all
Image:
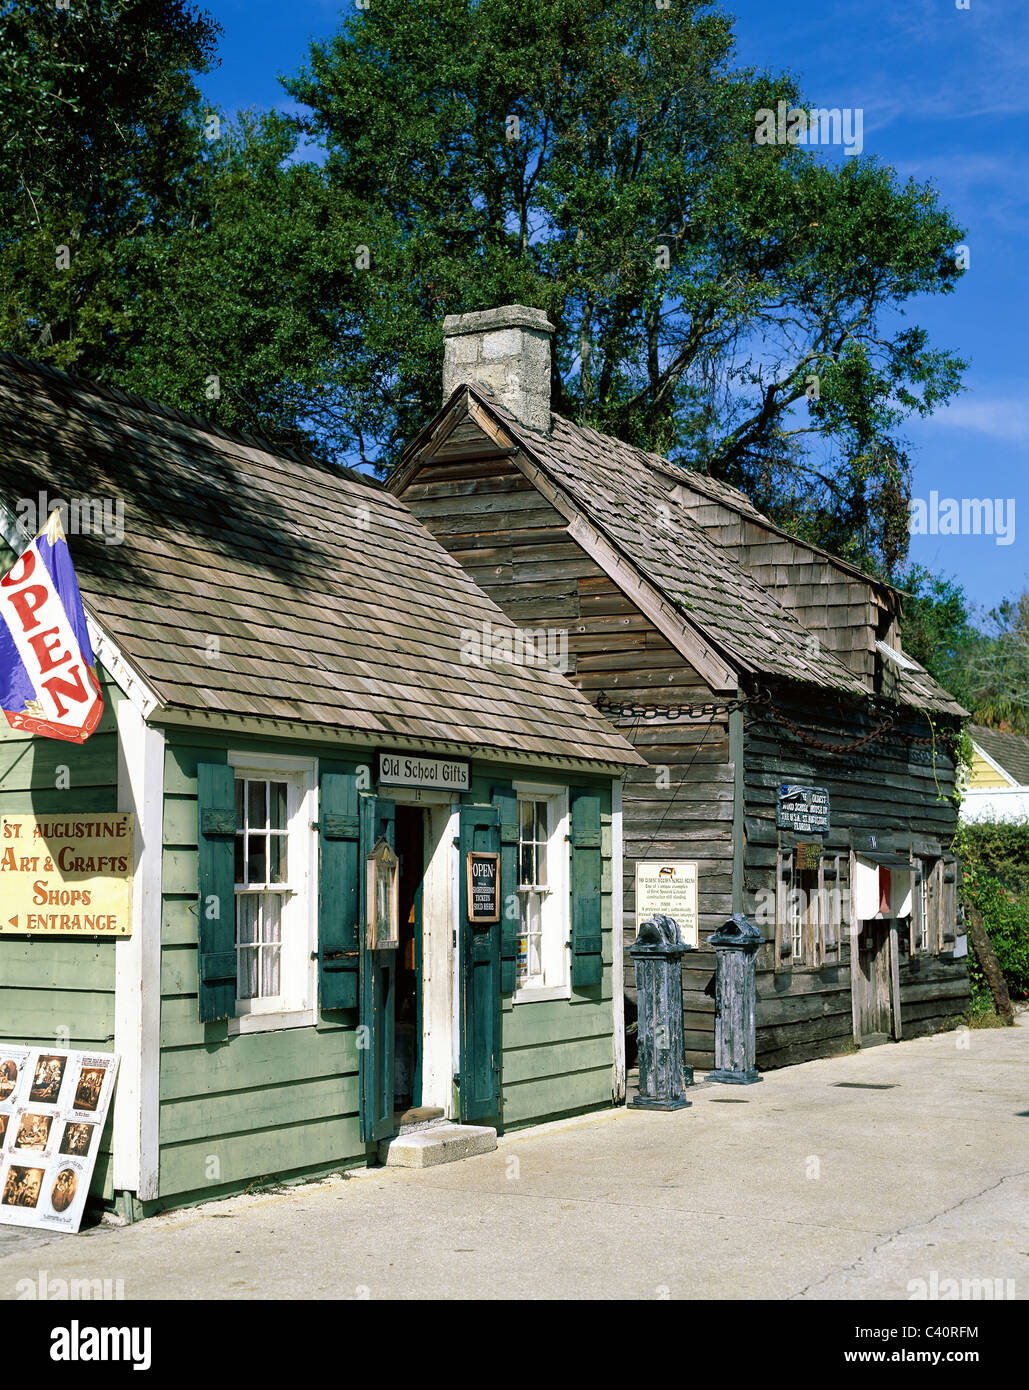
{"x":800,"y":764}
{"x":376,"y":840}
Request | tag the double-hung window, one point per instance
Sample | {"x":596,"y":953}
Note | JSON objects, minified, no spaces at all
{"x":274,"y":897}
{"x":542,"y":964}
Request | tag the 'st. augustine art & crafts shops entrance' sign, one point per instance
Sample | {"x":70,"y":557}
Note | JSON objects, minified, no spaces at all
{"x":66,"y":875}
{"x":53,"y":1105}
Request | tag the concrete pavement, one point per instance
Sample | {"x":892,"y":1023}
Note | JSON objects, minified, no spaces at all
{"x":878,"y":1175}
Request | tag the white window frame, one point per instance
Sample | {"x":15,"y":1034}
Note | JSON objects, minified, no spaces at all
{"x":297,"y":1006}
{"x":556,"y":911}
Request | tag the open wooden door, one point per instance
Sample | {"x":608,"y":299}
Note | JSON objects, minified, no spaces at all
{"x":873,"y":982}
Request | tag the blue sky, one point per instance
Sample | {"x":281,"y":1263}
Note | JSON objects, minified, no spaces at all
{"x":943,"y":93}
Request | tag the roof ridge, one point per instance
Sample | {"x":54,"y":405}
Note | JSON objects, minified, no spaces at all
{"x":117,"y":395}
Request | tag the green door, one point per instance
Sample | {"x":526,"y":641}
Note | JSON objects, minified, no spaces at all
{"x":375,"y":1033}
{"x":479,"y":1075}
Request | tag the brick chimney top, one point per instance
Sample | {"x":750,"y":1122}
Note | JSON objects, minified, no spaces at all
{"x":507,"y":351}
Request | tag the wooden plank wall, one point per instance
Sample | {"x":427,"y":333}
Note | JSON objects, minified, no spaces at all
{"x":60,"y":993}
{"x":838,"y":608}
{"x":516,"y":546}
{"x":886,"y":786}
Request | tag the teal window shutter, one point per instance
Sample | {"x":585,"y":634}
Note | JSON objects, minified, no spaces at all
{"x":587,"y":942}
{"x":506,"y":802}
{"x":216,"y":936}
{"x":338,"y":892}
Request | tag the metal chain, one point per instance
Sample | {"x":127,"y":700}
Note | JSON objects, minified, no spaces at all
{"x":763,"y":700}
{"x":711,"y":708}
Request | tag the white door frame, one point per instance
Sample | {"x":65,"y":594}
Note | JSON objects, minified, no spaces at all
{"x":438,"y":922}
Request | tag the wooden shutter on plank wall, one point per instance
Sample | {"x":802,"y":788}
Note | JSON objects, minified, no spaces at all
{"x":587,"y":941}
{"x":949,"y":874}
{"x":216,"y":934}
{"x":783,"y":900}
{"x":338,"y":892}
{"x":506,"y":802}
{"x":831,"y":915}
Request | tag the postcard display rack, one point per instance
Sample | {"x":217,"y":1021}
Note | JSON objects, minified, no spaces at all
{"x":53,"y":1106}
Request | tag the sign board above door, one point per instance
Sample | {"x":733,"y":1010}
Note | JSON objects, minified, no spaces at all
{"x":424,"y":770}
{"x":804,"y":809}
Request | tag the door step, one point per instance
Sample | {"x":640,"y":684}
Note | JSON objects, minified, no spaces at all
{"x":436,"y":1143}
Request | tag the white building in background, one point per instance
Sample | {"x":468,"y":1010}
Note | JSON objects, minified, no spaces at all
{"x":998,"y":787}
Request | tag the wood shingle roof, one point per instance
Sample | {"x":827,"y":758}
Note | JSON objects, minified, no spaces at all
{"x":630,"y":496}
{"x":255,"y":581}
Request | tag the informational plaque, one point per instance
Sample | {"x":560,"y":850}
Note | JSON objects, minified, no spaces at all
{"x":803,"y":809}
{"x":483,"y":886}
{"x":53,"y":1106}
{"x":668,"y":888}
{"x":66,"y":875}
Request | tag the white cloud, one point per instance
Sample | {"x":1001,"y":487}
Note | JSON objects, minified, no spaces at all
{"x":1005,"y":418}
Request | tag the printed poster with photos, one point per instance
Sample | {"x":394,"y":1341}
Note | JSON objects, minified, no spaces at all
{"x":53,"y":1106}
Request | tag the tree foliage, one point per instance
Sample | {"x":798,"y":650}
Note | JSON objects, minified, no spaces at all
{"x":981,"y":657}
{"x":597,"y":160}
{"x":491,"y":152}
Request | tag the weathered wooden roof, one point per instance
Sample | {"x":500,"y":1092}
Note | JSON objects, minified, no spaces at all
{"x":1009,"y":751}
{"x":630,"y":495}
{"x":738,"y":501}
{"x":255,"y":581}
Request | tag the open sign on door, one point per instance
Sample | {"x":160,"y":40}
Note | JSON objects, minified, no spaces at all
{"x":483,"y":886}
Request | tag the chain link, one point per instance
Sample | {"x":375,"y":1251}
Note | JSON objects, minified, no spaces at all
{"x":709,"y":709}
{"x":763,"y":700}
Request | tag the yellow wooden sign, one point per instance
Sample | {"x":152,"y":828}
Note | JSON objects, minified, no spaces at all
{"x":66,"y":875}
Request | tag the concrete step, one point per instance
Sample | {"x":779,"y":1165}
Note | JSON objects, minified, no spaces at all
{"x":424,"y":1148}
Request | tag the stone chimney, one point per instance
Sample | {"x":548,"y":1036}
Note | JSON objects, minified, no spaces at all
{"x":508,"y":352}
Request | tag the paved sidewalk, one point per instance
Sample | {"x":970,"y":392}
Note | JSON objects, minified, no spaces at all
{"x":798,"y":1187}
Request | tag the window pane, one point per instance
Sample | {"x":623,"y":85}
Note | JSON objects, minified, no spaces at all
{"x":240,"y":868}
{"x":528,"y":821}
{"x":278,"y":805}
{"x":272,"y":915}
{"x":270,"y":971}
{"x":257,"y":805}
{"x":248,"y":918}
{"x":527,"y":864}
{"x":535,"y":958}
{"x":258,"y":859}
{"x":246,"y":973}
{"x":541,"y":865}
{"x":277,"y":845}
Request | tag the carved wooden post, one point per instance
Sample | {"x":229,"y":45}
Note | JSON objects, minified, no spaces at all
{"x":657,"y":956}
{"x":735,"y":943}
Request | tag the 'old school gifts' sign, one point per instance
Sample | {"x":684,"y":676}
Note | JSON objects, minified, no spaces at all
{"x":668,"y":889}
{"x":53,"y":1104}
{"x":66,"y":875}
